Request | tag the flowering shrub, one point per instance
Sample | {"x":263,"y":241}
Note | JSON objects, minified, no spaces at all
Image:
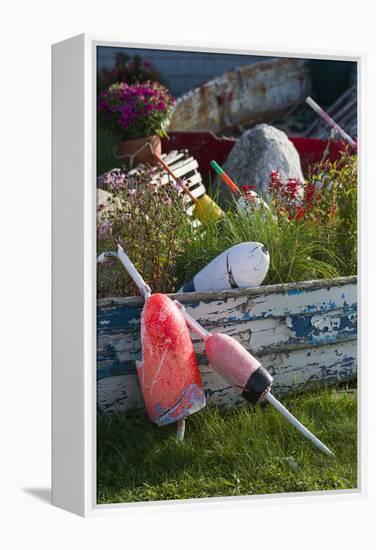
{"x":143,"y":109}
{"x":249,"y":193}
{"x":129,"y":70}
{"x":148,"y":220}
{"x":328,"y":198}
{"x":292,"y":198}
{"x":310,"y":229}
{"x":337,"y":207}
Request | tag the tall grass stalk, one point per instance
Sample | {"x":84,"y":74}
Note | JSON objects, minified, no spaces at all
{"x":299,"y":250}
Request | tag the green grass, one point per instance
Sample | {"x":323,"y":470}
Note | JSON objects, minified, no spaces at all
{"x":298,"y":251}
{"x":245,"y":451}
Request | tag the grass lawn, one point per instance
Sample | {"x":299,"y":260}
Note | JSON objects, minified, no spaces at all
{"x":244,"y":451}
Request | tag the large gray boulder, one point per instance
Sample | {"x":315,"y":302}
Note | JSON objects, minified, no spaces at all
{"x":255,"y":155}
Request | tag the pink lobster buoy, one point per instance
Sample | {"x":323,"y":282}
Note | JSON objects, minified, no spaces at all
{"x":240,"y":369}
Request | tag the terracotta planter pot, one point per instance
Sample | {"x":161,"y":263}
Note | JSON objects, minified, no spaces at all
{"x":134,"y":151}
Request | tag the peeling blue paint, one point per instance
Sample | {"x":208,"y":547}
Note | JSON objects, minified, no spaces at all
{"x":302,"y":326}
{"x":295,"y":291}
{"x":339,"y":326}
{"x":118,"y":317}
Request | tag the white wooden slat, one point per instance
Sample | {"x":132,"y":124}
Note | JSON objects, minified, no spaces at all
{"x":194,"y":180}
{"x":184,"y":167}
{"x":270,"y":324}
{"x":197,"y":192}
{"x":172,"y":156}
{"x":292,"y":372}
{"x":190,"y":182}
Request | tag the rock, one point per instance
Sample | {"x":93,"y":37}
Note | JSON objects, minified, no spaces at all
{"x":255,"y":155}
{"x":102,"y":196}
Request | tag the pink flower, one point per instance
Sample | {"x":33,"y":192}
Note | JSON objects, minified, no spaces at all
{"x":104,"y":229}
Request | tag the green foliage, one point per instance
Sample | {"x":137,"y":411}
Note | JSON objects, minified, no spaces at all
{"x":298,"y":250}
{"x":107,"y":144}
{"x":336,"y":208}
{"x":129,"y":69}
{"x":244,"y":451}
{"x":313,"y":239}
{"x":148,"y":220}
{"x":169,"y":250}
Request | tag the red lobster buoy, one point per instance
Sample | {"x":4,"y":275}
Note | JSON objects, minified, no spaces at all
{"x":168,"y":374}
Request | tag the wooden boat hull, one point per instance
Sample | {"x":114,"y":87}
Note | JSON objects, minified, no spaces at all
{"x":245,"y":95}
{"x":305,"y":334}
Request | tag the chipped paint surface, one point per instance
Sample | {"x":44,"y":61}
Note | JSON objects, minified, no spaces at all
{"x":247,"y":94}
{"x":303,"y":334}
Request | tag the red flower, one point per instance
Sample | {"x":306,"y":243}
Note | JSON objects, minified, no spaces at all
{"x":291,"y":188}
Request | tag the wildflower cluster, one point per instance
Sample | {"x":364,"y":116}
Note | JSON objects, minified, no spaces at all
{"x":294,"y":199}
{"x":127,"y":69}
{"x":147,"y":218}
{"x":143,"y":109}
{"x":249,"y":194}
{"x":337,"y":208}
{"x":327,"y":198}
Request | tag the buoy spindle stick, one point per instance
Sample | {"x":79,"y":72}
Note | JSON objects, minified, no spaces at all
{"x":328,"y":119}
{"x":205,"y":335}
{"x":225,"y":177}
{"x":135,"y":275}
{"x":298,"y":425}
{"x":180,"y":429}
{"x":201,"y":331}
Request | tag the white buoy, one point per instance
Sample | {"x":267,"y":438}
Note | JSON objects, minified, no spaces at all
{"x":251,"y":201}
{"x":241,"y":266}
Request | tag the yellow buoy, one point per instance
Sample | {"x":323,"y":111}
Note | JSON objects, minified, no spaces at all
{"x":207,"y":210}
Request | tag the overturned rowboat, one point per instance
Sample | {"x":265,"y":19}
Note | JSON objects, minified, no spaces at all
{"x":304,"y":334}
{"x":245,"y":95}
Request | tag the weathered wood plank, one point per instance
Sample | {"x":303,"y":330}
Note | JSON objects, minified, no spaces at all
{"x":262,"y":322}
{"x":293,"y":371}
{"x":245,"y":95}
{"x":302,"y":332}
{"x":291,"y":288}
{"x":259,"y":337}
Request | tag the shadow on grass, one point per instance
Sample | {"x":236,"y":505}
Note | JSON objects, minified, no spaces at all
{"x":132,"y":450}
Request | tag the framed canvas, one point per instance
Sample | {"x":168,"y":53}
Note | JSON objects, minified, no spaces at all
{"x":206,"y":256}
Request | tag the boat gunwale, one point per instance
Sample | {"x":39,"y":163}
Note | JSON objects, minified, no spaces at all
{"x":213,"y":295}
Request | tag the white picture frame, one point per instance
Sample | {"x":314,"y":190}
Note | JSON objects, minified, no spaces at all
{"x":74,"y":283}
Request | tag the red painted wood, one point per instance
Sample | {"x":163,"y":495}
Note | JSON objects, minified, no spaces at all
{"x":311,"y":150}
{"x":206,"y":146}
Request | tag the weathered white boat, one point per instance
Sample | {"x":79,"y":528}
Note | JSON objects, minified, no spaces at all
{"x":305,"y":334}
{"x":245,"y":95}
